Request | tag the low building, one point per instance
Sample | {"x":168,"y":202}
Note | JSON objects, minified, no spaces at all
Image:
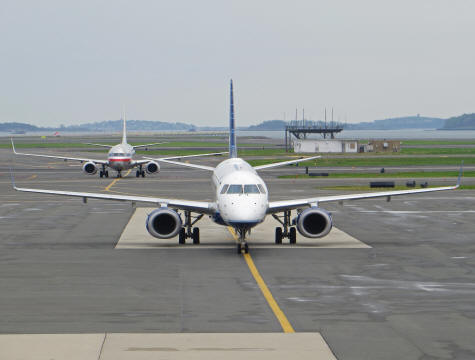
{"x":325,"y":146}
{"x":383,"y":146}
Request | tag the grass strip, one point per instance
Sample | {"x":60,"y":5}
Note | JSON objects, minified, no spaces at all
{"x":376,"y":162}
{"x":406,"y":174}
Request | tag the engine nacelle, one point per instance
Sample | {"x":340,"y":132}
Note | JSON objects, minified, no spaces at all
{"x":314,"y":222}
{"x":163,"y":223}
{"x":152,"y":167}
{"x":89,"y":168}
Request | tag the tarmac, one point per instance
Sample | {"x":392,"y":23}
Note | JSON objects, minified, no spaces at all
{"x":405,"y":292}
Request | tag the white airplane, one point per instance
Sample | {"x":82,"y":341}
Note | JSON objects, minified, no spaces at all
{"x":241,"y":201}
{"x":119,"y":158}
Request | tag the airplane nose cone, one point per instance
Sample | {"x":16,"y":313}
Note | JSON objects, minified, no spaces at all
{"x":243,"y":211}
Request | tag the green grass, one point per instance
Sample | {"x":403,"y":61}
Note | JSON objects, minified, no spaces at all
{"x":243,"y":153}
{"x":377,"y":162}
{"x":368,"y":189}
{"x":404,"y":174}
{"x":51,"y":145}
{"x":438,"y":151}
{"x":438,"y":142}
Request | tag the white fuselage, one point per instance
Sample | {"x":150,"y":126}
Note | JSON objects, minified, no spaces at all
{"x":120,"y":157}
{"x":241,"y":194}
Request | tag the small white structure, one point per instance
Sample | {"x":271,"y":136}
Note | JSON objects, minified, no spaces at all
{"x":325,"y":146}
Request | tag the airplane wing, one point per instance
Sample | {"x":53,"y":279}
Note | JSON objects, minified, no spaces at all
{"x":279,"y":206}
{"x":59,"y":157}
{"x":102,"y":145}
{"x":195,"y":206}
{"x":169,"y":160}
{"x":145,"y":145}
{"x":283,"y":163}
{"x":195,"y":166}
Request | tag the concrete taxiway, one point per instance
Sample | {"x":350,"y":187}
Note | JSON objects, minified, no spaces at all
{"x":407,"y":295}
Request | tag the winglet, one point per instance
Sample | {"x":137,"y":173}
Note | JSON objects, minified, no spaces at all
{"x":13,"y":146}
{"x":12,"y":178}
{"x":459,"y":180}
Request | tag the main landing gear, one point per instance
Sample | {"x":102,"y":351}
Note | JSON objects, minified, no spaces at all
{"x":242,"y":246}
{"x":140,"y":172}
{"x":286,"y":230}
{"x":188,"y":231}
{"x":103,"y":172}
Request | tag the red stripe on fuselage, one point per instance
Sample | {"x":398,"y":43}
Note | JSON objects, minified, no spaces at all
{"x":120,"y":159}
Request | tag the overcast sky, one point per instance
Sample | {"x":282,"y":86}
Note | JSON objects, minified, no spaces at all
{"x":70,"y":62}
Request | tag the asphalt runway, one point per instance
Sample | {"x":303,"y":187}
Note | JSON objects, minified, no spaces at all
{"x":409,"y":296}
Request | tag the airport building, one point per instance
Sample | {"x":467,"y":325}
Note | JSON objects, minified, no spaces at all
{"x":325,"y":146}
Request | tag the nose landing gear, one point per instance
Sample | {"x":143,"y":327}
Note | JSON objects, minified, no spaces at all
{"x":242,"y":247}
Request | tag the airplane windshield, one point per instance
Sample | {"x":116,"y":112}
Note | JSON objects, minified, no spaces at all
{"x":235,"y":189}
{"x":225,"y":187}
{"x":251,"y":189}
{"x":261,"y":188}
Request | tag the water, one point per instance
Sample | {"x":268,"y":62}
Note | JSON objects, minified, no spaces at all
{"x":345,"y":134}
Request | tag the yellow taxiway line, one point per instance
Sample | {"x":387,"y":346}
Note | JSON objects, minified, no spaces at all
{"x":279,"y":314}
{"x":107,"y":188}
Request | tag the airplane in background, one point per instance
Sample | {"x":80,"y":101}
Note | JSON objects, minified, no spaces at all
{"x":119,"y":158}
{"x":241,"y":202}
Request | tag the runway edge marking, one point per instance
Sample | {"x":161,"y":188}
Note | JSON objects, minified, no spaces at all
{"x":279,"y":314}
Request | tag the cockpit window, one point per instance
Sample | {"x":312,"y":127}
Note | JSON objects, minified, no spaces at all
{"x":251,"y":189}
{"x":261,"y":188}
{"x":225,"y":187}
{"x":235,"y":189}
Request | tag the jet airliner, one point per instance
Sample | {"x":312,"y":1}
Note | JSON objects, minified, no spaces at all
{"x":241,"y":202}
{"x":119,"y":158}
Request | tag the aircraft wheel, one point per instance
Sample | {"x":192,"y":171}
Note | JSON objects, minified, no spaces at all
{"x":137,"y":174}
{"x":101,"y":174}
{"x":143,"y":173}
{"x":107,"y":173}
{"x":181,"y":236}
{"x":238,"y":248}
{"x":196,"y":235}
{"x":246,"y":248}
{"x":293,"y":235}
{"x":278,"y":235}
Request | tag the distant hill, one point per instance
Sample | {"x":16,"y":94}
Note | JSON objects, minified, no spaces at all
{"x":103,"y":126}
{"x":14,"y":126}
{"x":466,"y":121}
{"x":408,"y":122}
{"x":462,"y":122}
{"x":267,"y":125}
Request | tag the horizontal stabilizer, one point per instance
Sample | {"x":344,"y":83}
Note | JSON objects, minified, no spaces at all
{"x":101,"y":145}
{"x":145,"y":145}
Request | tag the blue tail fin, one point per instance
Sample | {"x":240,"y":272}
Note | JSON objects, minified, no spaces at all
{"x":232,"y":128}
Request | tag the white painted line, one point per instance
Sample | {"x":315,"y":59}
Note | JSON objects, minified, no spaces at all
{"x":209,"y":346}
{"x":213,"y":236}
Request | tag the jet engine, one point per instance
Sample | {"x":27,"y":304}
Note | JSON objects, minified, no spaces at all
{"x":152,"y":167}
{"x":314,"y":222}
{"x":89,"y":168}
{"x":163,"y":223}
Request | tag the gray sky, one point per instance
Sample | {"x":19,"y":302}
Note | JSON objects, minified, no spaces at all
{"x":69,"y":62}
